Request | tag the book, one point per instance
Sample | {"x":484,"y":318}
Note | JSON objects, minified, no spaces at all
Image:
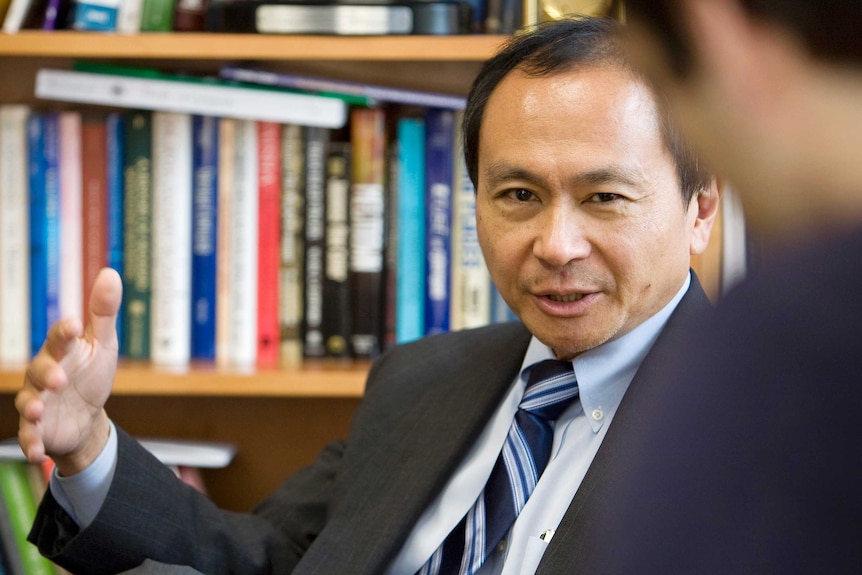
{"x":268,"y":241}
{"x":367,"y":221}
{"x":346,"y":18}
{"x":410,"y":289}
{"x":57,"y":14}
{"x":129,"y":16}
{"x":10,"y":561}
{"x":20,"y":505}
{"x":94,"y":201}
{"x":15,"y":15}
{"x":114,"y":209}
{"x":242,"y":269}
{"x":337,"y":304}
{"x":137,"y":229}
{"x":137,"y":88}
{"x":43,"y":153}
{"x":374,"y":94}
{"x":226,"y":161}
{"x":470,"y":281}
{"x":190,"y":15}
{"x":390,"y":233}
{"x":205,"y":146}
{"x":71,"y":235}
{"x":439,"y":138}
{"x":95,"y":15}
{"x":170,"y":290}
{"x":4,"y":7}
{"x":316,"y":143}
{"x":157,"y":15}
{"x":15,"y":343}
{"x":291,"y":248}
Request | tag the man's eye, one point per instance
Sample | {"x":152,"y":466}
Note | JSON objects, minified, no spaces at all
{"x":522,"y":195}
{"x":603,"y":198}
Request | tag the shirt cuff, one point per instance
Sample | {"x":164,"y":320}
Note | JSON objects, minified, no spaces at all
{"x":81,"y":495}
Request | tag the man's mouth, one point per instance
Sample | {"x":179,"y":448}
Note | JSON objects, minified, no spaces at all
{"x":567,"y":298}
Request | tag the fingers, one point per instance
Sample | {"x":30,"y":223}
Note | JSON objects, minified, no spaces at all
{"x":30,"y":408}
{"x":105,"y":299}
{"x":61,"y":338}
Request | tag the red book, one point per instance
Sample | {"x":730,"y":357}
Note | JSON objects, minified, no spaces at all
{"x":94,"y":175}
{"x":269,"y":240}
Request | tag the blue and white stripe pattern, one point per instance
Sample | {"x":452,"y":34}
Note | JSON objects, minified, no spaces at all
{"x":550,"y":389}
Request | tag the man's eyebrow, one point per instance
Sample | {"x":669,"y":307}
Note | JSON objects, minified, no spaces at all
{"x":614,"y":174}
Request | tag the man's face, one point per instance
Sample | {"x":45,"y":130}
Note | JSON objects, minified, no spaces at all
{"x":578,"y":206}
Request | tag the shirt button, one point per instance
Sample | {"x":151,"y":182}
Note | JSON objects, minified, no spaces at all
{"x":598,"y":414}
{"x":501,"y":547}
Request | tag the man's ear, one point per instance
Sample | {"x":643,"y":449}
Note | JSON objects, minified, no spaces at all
{"x":706,"y":205}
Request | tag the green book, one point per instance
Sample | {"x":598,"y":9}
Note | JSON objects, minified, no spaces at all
{"x":20,"y":507}
{"x":137,"y":234}
{"x":157,"y":15}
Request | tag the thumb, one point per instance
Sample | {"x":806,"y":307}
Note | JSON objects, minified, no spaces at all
{"x":105,"y":298}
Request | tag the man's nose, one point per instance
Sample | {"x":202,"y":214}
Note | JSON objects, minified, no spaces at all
{"x":561,"y":236}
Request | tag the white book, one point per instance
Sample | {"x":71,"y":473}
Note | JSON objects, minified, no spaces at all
{"x":243,"y":258}
{"x":470,"y":298}
{"x":170,"y":300}
{"x":129,"y":16}
{"x":14,"y":237}
{"x":205,"y":98}
{"x":226,"y":160}
{"x":71,"y":212}
{"x":15,"y":15}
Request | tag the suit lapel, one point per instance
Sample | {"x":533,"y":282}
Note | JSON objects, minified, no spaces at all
{"x":448,"y":398}
{"x":573,"y":538}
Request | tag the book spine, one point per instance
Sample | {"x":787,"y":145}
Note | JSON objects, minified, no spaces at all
{"x":390,"y":234}
{"x":71,"y":263}
{"x":190,"y":15}
{"x":38,"y":232}
{"x":470,"y":301}
{"x":157,"y":15}
{"x":14,"y":237}
{"x":129,"y":15}
{"x":439,"y":132}
{"x":10,"y":561}
{"x":269,"y":232}
{"x":96,"y":15}
{"x":205,"y":142}
{"x":410,"y":289}
{"x":291,"y":249}
{"x":170,"y":93}
{"x":115,"y":192}
{"x":21,"y":506}
{"x":243,"y":259}
{"x":137,"y":226}
{"x":336,"y":286}
{"x":367,"y":214}
{"x":170,"y":317}
{"x":94,"y":221}
{"x":316,"y":143}
{"x":226,"y":175}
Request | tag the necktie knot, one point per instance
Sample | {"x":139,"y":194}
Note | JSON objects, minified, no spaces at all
{"x":550,"y":388}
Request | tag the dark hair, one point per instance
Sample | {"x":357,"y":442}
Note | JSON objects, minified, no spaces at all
{"x":829,"y":28}
{"x":560,"y":46}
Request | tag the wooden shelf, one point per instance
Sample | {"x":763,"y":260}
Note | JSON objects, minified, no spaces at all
{"x":468,"y":48}
{"x":311,"y":379}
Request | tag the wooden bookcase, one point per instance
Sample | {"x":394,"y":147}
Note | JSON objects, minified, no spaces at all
{"x":278,"y":419}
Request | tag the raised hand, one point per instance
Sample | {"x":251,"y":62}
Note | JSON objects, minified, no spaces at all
{"x":61,"y":405}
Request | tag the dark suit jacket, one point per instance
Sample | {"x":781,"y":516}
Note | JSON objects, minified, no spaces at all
{"x":753,"y":461}
{"x":350,"y":512}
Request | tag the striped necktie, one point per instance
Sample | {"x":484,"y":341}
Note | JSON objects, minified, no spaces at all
{"x":550,"y":389}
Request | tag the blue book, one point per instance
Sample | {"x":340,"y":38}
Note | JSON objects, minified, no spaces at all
{"x":43,"y":153}
{"x":410,"y":278}
{"x":500,"y":310}
{"x":439,"y":166}
{"x":204,"y":227}
{"x":114,"y":196}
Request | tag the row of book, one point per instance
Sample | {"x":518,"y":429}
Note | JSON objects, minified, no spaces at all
{"x":23,"y":484}
{"x":247,"y":242}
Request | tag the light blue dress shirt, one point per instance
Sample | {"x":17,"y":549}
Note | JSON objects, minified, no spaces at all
{"x":604,"y":374}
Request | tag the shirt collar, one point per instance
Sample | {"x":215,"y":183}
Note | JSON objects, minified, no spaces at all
{"x":605,"y":372}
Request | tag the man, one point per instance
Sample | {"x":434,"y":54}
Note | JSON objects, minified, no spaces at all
{"x":751,"y":462}
{"x":588,"y":209}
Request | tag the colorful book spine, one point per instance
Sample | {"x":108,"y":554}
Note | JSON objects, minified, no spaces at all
{"x":336,"y":276}
{"x":367,"y":217}
{"x":71,"y":211}
{"x":21,"y":506}
{"x":15,"y":344}
{"x":96,"y":15}
{"x":190,"y":15}
{"x":170,"y":317}
{"x":137,"y":226}
{"x":94,"y":220}
{"x":43,"y":147}
{"x":226,"y":175}
{"x":129,"y":16}
{"x":439,"y":134}
{"x":269,"y":232}
{"x":470,"y":283}
{"x":291,"y":250}
{"x":410,"y":289}
{"x":205,"y":142}
{"x":316,"y":143}
{"x":115,"y":192}
{"x":157,"y":15}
